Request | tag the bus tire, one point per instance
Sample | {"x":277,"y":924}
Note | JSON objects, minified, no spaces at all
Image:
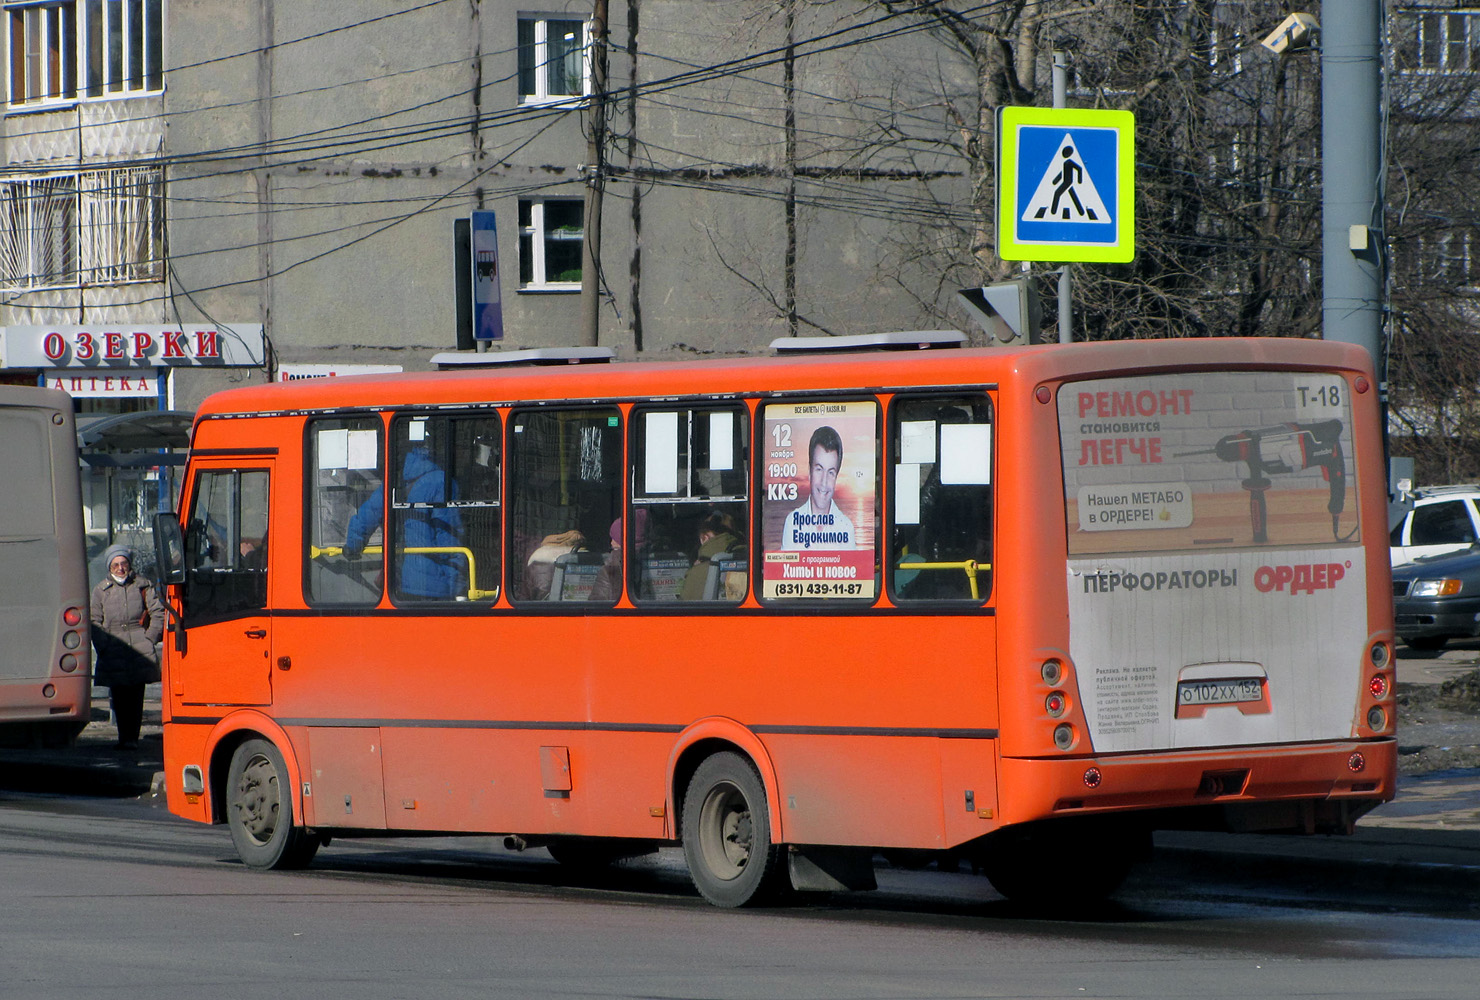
{"x":259,"y":810}
{"x":1033,"y":865}
{"x":727,"y":835}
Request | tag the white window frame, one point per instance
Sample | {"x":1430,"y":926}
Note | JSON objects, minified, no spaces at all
{"x":89,"y":70}
{"x":542,"y":96}
{"x":1443,"y":21}
{"x":82,"y":228}
{"x":537,"y":236}
{"x":32,"y":23}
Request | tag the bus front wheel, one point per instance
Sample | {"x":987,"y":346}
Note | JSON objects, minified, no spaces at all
{"x":259,"y":810}
{"x":727,"y":835}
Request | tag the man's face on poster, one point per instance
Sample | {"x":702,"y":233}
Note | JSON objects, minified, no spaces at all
{"x":825,"y":465}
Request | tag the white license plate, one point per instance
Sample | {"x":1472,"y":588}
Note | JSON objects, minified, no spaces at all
{"x":1219,"y":692}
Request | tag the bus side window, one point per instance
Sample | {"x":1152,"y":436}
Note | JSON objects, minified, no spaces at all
{"x":445,"y":508}
{"x":346,"y":509}
{"x":940,"y":543}
{"x":225,"y":545}
{"x":691,"y":504}
{"x":566,"y":479}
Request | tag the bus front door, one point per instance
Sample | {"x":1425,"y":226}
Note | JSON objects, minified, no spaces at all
{"x":227,"y":658}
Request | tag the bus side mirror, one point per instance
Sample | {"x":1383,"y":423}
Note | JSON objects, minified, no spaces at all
{"x":169,"y":548}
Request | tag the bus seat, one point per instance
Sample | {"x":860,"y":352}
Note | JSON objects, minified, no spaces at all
{"x":660,"y":575}
{"x":726,"y":578}
{"x":575,"y":575}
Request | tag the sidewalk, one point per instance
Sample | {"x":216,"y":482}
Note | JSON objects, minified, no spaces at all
{"x":94,"y":765}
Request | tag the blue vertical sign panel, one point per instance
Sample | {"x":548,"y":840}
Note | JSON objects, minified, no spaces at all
{"x":488,"y":308}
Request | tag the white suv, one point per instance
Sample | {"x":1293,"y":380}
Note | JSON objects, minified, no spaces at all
{"x":1443,"y":519}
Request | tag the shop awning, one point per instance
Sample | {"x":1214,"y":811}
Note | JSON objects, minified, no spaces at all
{"x":134,"y":439}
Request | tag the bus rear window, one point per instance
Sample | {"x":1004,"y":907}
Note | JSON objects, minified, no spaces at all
{"x":1207,"y":460}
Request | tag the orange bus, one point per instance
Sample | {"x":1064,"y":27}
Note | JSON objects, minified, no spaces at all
{"x":877,"y":595}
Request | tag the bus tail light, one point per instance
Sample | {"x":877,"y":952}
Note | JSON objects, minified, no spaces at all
{"x":1055,"y":704}
{"x":1378,"y":685}
{"x":1052,"y":671}
{"x":71,"y":640}
{"x":1092,"y":777}
{"x":1376,"y":718}
{"x":49,"y":690}
{"x":1063,"y":736}
{"x":72,"y":616}
{"x":1380,"y":655}
{"x":68,"y":663}
{"x":1356,"y":762}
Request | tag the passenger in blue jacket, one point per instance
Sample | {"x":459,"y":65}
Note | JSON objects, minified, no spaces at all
{"x":436,"y":576}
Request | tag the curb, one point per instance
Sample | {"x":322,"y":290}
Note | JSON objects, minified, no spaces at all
{"x":1437,"y":867}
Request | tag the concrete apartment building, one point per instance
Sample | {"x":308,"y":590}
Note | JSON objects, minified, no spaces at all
{"x":287,"y":175}
{"x":198,"y":194}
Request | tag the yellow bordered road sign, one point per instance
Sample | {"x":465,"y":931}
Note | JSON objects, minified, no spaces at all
{"x":1066,"y":185}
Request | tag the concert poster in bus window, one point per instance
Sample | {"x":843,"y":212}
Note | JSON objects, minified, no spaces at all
{"x":820,"y":491}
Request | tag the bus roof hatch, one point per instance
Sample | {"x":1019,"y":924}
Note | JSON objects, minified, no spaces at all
{"x":908,"y":340}
{"x":461,"y":360}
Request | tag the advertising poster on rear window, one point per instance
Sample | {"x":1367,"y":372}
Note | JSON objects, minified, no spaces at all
{"x":821,"y":496}
{"x":1206,"y":461}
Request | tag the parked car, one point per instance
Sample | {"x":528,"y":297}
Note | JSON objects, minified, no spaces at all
{"x":1444,"y":519}
{"x":1437,"y":598}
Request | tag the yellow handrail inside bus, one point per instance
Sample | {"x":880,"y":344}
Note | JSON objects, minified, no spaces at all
{"x":474,"y":594}
{"x":971,"y":566}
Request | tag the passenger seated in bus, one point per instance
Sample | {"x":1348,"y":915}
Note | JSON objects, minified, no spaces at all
{"x":718,"y":535}
{"x":539,"y":569}
{"x":433,"y":576}
{"x":608,"y":583}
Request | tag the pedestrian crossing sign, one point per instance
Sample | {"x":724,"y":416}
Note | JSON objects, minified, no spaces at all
{"x":1066,"y":183}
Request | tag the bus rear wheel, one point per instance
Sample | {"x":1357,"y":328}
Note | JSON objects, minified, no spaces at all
{"x":259,"y":810}
{"x":1055,"y":866}
{"x":727,"y":835}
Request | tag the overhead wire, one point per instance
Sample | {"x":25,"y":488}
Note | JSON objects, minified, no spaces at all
{"x":375,"y":140}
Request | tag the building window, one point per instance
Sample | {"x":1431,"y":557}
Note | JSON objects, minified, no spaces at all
{"x":85,"y":48}
{"x":551,"y":238}
{"x":1446,"y":41}
{"x":1447,"y":259}
{"x":552,"y":59}
{"x":95,"y":227}
{"x":43,"y":43}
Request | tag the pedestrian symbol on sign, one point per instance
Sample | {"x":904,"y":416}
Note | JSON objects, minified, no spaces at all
{"x":1066,"y":193}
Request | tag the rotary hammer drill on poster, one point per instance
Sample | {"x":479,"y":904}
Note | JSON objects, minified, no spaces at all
{"x":1284,"y":449}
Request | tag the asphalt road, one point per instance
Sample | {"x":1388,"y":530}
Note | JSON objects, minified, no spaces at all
{"x":116,"y":898}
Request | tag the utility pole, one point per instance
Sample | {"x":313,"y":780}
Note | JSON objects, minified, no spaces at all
{"x":595,"y":181}
{"x":1354,"y":184}
{"x":789,"y":77}
{"x":1353,"y":180}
